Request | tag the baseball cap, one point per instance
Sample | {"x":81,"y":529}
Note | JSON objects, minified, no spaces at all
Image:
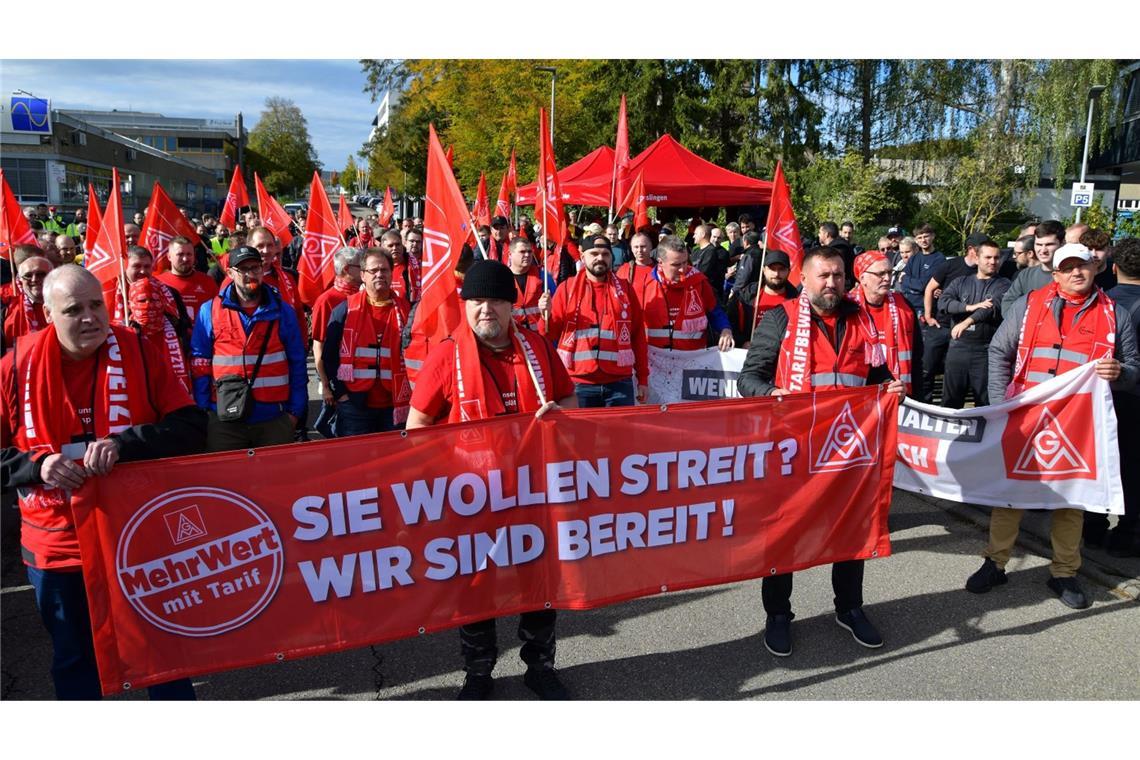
{"x":500,"y":221}
{"x":895,"y":232}
{"x":597,"y":241}
{"x":976,"y":238}
{"x":1071,"y":251}
{"x":242,"y":254}
{"x":777,"y":257}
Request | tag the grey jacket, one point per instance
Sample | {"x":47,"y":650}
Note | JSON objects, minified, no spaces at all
{"x":1027,"y":280}
{"x":1003,"y":348}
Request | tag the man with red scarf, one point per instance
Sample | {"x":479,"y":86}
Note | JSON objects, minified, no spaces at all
{"x":25,"y":313}
{"x":77,"y":398}
{"x":597,"y":324}
{"x":641,"y":262}
{"x":535,"y":287}
{"x":1046,"y":333}
{"x":346,"y":265}
{"x":679,"y":304}
{"x":492,"y":367}
{"x":814,"y":342}
{"x":889,"y":318}
{"x":364,"y":362}
{"x":193,"y":286}
{"x":407,"y":278}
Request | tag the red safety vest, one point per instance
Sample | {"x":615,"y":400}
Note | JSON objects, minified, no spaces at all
{"x":893,"y":325}
{"x":676,"y":314}
{"x":824,"y":367}
{"x":526,"y":311}
{"x":1043,"y":352}
{"x":604,"y":344}
{"x":367,"y":357}
{"x":235,"y":353}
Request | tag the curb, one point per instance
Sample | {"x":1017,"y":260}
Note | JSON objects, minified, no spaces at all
{"x":1120,"y":576}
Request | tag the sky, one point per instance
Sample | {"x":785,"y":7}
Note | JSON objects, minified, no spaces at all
{"x":328,"y":92}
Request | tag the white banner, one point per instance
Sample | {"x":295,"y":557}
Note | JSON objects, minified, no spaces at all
{"x":676,"y":376}
{"x":1050,"y":447}
{"x":1053,"y":446}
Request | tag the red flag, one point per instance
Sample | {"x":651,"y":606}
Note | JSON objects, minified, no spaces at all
{"x":635,"y":200}
{"x":94,"y":220}
{"x":387,"y":208}
{"x":782,"y":233}
{"x":451,"y":157}
{"x":273,"y":217}
{"x":14,"y":227}
{"x":446,"y":227}
{"x":163,"y":222}
{"x":548,"y":209}
{"x":482,"y":210}
{"x":322,"y":240}
{"x":503,"y":205}
{"x":237,"y":197}
{"x":343,"y":216}
{"x":105,"y":259}
{"x":513,"y":176}
{"x":621,"y":155}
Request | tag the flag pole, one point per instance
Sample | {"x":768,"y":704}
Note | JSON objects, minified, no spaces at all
{"x":529,"y":366}
{"x":760,"y":283}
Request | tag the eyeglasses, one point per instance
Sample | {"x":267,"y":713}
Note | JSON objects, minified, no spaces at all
{"x":250,"y":271}
{"x":374,"y":272}
{"x":33,"y":276}
{"x":878,"y":274}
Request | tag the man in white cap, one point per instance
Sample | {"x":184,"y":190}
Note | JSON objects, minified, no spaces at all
{"x":1061,"y":326}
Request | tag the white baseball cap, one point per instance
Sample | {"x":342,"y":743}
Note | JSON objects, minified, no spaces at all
{"x":1071,"y":251}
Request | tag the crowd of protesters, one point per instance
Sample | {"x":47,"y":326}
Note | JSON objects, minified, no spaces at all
{"x":214,"y":351}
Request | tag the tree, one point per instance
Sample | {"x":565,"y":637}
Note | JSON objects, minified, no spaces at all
{"x":348,"y":177}
{"x":836,"y":190}
{"x":281,"y":138}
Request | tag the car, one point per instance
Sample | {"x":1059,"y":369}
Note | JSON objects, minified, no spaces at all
{"x":293,"y":208}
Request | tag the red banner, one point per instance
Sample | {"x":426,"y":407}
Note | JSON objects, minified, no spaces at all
{"x":198,"y":568}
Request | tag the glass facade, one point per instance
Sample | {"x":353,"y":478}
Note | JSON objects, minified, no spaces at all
{"x":27,"y":178}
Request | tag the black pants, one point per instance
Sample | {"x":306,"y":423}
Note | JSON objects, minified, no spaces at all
{"x":846,"y":582}
{"x":935,"y":341}
{"x":967,"y":368}
{"x":1127,"y":532}
{"x":478,"y":642}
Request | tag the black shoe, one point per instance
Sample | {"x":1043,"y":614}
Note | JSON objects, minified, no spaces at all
{"x":860,"y":627}
{"x":987,"y":576}
{"x":544,"y":682}
{"x":476,"y":688}
{"x":1070,"y":592}
{"x":1122,"y":545}
{"x":778,"y":635}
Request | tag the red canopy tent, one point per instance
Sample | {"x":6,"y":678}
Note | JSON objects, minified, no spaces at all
{"x":674,"y":176}
{"x":586,"y":182}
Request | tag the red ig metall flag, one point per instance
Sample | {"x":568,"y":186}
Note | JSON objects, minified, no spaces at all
{"x":94,"y":220}
{"x":344,"y":216}
{"x":237,"y":197}
{"x":14,"y":227}
{"x":783,"y":234}
{"x":387,"y":208}
{"x":635,"y":200}
{"x":482,"y":209}
{"x":163,"y":223}
{"x":275,"y":218}
{"x":548,"y":209}
{"x":105,"y":259}
{"x":446,"y":227}
{"x":621,"y":155}
{"x":322,"y":241}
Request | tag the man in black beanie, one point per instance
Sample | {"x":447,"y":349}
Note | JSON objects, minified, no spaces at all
{"x":491,"y":367}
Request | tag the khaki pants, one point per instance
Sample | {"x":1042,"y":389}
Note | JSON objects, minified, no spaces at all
{"x":233,"y":436}
{"x":1064,"y":531}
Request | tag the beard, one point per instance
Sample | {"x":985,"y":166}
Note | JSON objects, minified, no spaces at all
{"x":599,"y":268}
{"x":826,"y":301}
{"x":487,"y":331}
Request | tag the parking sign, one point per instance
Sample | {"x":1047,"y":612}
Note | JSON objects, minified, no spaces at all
{"x":1082,"y":195}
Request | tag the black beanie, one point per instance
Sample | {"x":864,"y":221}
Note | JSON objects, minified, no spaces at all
{"x":489,"y":279}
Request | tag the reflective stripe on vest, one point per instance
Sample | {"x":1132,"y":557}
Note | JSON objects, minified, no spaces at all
{"x":664,"y":332}
{"x":904,"y":356}
{"x":593,"y":332}
{"x":242,"y":360}
{"x":235,"y":353}
{"x":838,"y":378}
{"x":1059,"y":354}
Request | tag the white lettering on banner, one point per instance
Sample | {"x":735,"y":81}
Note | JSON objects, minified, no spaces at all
{"x":376,"y":570}
{"x":1022,"y":452}
{"x":1051,"y":449}
{"x":349,"y":512}
{"x":603,"y":534}
{"x":474,"y":553}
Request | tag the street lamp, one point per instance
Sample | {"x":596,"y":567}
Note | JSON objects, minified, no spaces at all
{"x":553,"y":76}
{"x":1094,"y":93}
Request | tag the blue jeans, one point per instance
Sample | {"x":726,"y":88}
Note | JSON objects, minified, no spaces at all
{"x":619,"y":393}
{"x":62,"y":601}
{"x":355,"y":417}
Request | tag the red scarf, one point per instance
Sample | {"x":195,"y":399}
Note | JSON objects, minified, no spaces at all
{"x":27,"y":317}
{"x":285,"y":287}
{"x":794,"y":370}
{"x":346,"y":287}
{"x":154,"y":311}
{"x":471,"y":399}
{"x":360,"y":330}
{"x":1039,"y":307}
{"x":885,"y":348}
{"x":690,"y":317}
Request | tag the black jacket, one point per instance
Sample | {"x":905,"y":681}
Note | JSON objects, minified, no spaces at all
{"x":757,"y":377}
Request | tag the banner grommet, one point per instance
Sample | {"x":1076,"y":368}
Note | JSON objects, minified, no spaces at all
{"x":772,"y":571}
{"x":249,"y":452}
{"x":280,"y":656}
{"x":664,"y":589}
{"x":403,"y":433}
{"x":126,"y":686}
{"x":546,"y":605}
{"x":875,"y":553}
{"x":664,"y":407}
{"x":422,"y":630}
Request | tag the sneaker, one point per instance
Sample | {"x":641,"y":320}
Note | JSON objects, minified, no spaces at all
{"x":987,"y":576}
{"x":860,"y":627}
{"x":544,"y":682}
{"x":1070,"y":592}
{"x":778,"y":635}
{"x":476,"y":688}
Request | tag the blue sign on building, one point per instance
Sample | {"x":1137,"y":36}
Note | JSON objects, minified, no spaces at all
{"x":31,"y":115}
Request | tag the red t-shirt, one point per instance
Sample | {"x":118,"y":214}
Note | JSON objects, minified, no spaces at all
{"x":882,"y":317}
{"x":323,"y":308}
{"x":195,"y":289}
{"x":434,"y":390}
{"x":769,"y":301}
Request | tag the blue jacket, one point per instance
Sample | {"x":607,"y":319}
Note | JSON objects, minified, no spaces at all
{"x":270,"y":310}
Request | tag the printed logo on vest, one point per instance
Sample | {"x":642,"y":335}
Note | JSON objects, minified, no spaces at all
{"x":624,"y":336}
{"x":844,"y":447}
{"x":191,"y":582}
{"x":693,"y":306}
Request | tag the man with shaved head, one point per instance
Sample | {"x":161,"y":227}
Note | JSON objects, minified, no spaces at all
{"x":62,"y":431}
